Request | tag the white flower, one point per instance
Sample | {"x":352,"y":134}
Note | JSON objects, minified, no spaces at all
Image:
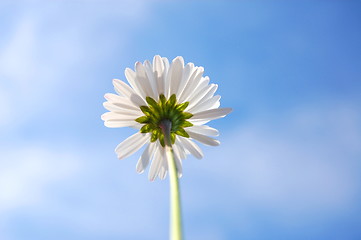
{"x":161,"y":91}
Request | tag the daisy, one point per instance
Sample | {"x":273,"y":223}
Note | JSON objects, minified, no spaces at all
{"x":164,"y":99}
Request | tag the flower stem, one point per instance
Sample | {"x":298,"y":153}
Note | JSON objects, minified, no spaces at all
{"x":175,"y":214}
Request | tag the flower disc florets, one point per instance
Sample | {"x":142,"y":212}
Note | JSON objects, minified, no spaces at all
{"x":157,"y":112}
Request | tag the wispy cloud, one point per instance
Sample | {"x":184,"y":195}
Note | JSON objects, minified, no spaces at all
{"x":27,"y":173}
{"x":41,"y":57}
{"x":300,"y":164}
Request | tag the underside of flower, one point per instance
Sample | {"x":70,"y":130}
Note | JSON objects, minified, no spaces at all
{"x":169,"y":104}
{"x":157,"y":112}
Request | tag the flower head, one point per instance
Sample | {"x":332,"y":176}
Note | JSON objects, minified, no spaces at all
{"x":158,"y":92}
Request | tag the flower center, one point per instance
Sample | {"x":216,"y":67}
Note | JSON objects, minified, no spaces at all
{"x":164,"y":109}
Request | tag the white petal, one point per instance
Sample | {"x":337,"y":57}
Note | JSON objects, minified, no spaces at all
{"x":182,"y":153}
{"x":111,"y":97}
{"x":167,"y":80}
{"x":192,"y":84}
{"x":122,"y":123}
{"x":131,"y":144}
{"x":127,"y":112}
{"x":199,"y":121}
{"x":165,"y":76}
{"x":143,"y":81}
{"x":192,"y":147}
{"x":156,"y":163}
{"x":176,"y":75}
{"x":134,"y":83}
{"x":203,"y":129}
{"x":215,"y":105}
{"x":208,"y":104}
{"x":121,"y":106}
{"x":137,"y":126}
{"x":187,"y":72}
{"x":210,"y":114}
{"x":166,"y":64}
{"x":108,"y":116}
{"x":198,"y":93}
{"x":175,"y":69}
{"x":137,"y":100}
{"x":122,"y":101}
{"x":187,"y":83}
{"x":144,"y":159}
{"x":163,"y":168}
{"x":208,"y":92}
{"x":177,"y":160}
{"x":122,"y":88}
{"x":205,"y":94}
{"x":204,"y":139}
{"x":176,"y":150}
{"x":150,"y":74}
{"x":158,"y":69}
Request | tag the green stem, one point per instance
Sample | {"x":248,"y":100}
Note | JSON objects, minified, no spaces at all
{"x":175,"y":214}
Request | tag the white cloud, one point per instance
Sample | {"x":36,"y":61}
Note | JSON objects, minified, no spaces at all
{"x":79,"y":190}
{"x":304,"y":163}
{"x":27,"y":77}
{"x":43,"y":48}
{"x":26,"y":173}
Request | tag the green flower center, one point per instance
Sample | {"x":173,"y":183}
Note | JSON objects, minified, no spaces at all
{"x":156,"y":112}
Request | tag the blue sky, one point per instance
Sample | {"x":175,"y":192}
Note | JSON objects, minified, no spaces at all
{"x":289,"y":162}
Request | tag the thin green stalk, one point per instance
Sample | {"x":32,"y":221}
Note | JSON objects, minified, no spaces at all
{"x":175,"y":206}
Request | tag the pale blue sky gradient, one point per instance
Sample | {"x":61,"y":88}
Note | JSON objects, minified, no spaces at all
{"x":289,"y":163}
